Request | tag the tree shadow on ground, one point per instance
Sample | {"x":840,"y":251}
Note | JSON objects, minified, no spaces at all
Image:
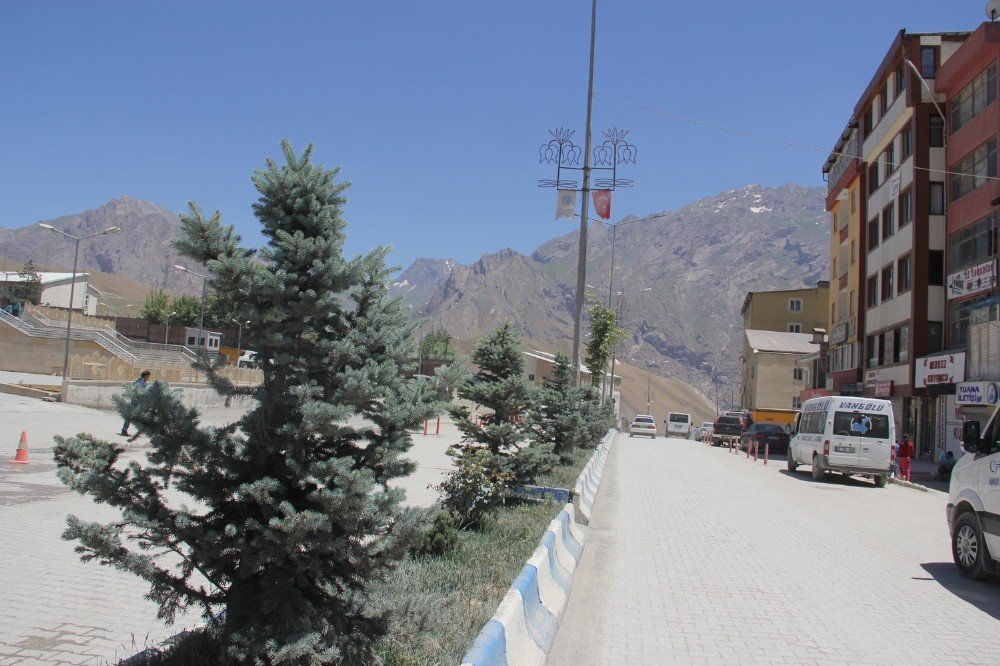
{"x":983,"y":594}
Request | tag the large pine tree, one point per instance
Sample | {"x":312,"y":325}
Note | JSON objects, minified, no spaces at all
{"x":289,"y":514}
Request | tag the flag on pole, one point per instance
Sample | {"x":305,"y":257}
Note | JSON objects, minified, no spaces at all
{"x":565,"y":203}
{"x":602,"y":203}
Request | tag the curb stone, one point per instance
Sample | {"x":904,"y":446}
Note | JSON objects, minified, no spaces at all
{"x":523,"y":628}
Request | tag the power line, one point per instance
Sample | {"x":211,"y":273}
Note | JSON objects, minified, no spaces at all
{"x":761,"y":137}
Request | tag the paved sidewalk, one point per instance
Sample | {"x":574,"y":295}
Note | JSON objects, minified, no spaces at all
{"x":696,"y":555}
{"x":55,"y":608}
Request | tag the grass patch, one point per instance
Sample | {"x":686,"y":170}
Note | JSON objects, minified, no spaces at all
{"x":440,"y":604}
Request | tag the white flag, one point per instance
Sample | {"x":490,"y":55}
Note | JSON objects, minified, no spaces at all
{"x":565,"y":203}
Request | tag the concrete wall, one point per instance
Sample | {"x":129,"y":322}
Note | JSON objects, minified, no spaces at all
{"x":772,"y":384}
{"x":769,"y":310}
{"x":98,"y":394}
{"x":44,"y":356}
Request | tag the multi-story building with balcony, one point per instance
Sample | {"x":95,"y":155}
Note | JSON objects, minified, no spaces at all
{"x":901,"y":234}
{"x":969,"y":81}
{"x":846,"y":204}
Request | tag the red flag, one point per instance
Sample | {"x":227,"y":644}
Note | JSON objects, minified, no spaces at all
{"x":602,"y":203}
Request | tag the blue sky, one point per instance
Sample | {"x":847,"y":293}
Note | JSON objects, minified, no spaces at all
{"x":434,"y":110}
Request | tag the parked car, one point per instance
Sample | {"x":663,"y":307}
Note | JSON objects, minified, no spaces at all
{"x":773,"y":435}
{"x":703,"y":431}
{"x":844,"y":434}
{"x":678,"y":425}
{"x":974,"y":500}
{"x":746,"y":420}
{"x":642,"y":424}
{"x":727,"y":430}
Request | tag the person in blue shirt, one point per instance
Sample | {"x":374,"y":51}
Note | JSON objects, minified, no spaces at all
{"x":142,"y":383}
{"x":945,"y":463}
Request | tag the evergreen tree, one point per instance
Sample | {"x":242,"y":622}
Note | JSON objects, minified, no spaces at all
{"x":500,"y":386}
{"x":558,"y":418}
{"x":156,"y":307}
{"x":437,"y":345}
{"x":29,"y":289}
{"x":291,"y":513}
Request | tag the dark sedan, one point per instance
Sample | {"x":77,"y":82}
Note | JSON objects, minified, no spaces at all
{"x":772,"y":434}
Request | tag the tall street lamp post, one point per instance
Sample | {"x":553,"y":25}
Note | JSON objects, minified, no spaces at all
{"x":72,"y":283}
{"x":201,"y":323}
{"x":166,"y":334}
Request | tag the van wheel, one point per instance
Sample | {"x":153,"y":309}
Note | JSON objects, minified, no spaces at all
{"x":880,"y":480}
{"x":817,"y":471}
{"x":792,"y":465}
{"x":967,"y":546}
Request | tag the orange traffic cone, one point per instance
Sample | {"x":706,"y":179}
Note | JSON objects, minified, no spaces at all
{"x":22,"y":449}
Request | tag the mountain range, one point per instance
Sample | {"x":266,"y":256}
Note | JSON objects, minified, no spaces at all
{"x":682,"y":275}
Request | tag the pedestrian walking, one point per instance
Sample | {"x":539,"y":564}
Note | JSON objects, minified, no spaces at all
{"x":894,"y":461}
{"x":142,"y":383}
{"x":903,"y":456}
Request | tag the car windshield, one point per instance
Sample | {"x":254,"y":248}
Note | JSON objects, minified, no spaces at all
{"x":732,"y":420}
{"x":679,"y":418}
{"x":643,"y":419}
{"x":769,"y":427}
{"x":858,"y":424}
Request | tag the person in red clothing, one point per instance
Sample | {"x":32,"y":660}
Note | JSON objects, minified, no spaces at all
{"x":903,"y":455}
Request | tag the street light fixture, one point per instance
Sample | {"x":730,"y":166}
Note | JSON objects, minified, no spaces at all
{"x":72,"y":283}
{"x":201,"y":322}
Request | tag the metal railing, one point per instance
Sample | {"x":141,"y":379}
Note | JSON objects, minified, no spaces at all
{"x":56,"y":333}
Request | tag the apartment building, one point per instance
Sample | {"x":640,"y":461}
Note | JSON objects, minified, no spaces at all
{"x":969,"y":81}
{"x":847,"y":205}
{"x":786,"y":310}
{"x":898,"y":172}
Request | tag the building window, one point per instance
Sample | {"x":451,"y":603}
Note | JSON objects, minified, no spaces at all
{"x":872,"y":234}
{"x":795,"y":305}
{"x":854,"y":251}
{"x":883,"y":102}
{"x":898,"y":81}
{"x":928,"y":61}
{"x":906,"y":207}
{"x":902,"y":345}
{"x":937,"y":198}
{"x":190,"y":339}
{"x":880,"y":358}
{"x":872,"y":178}
{"x":889,"y":156}
{"x":958,"y":325}
{"x":888,"y":224}
{"x":888,"y":346}
{"x":872,"y":291}
{"x":903,"y":274}
{"x":972,"y":172}
{"x":974,"y":98}
{"x":935,"y":268}
{"x":869,"y":122}
{"x":973,"y":244}
{"x":797,"y":373}
{"x":887,"y":283}
{"x":796,"y":402}
{"x":937,"y":132}
{"x":795,"y":328}
{"x":906,"y":142}
{"x":872,"y":349}
{"x":531,"y":377}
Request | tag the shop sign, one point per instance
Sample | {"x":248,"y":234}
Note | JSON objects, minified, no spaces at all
{"x":824,"y":356}
{"x":883,"y":389}
{"x":973,"y":280}
{"x":976,"y":393}
{"x":852,"y":388}
{"x":943,"y":369}
{"x":871,"y":376}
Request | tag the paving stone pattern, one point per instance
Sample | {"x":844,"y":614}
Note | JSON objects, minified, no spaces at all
{"x":697,"y":555}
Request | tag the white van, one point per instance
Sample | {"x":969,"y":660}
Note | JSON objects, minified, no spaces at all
{"x":974,"y":501}
{"x":678,"y":424}
{"x":844,"y":434}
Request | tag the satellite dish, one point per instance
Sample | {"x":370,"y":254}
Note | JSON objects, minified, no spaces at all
{"x":993,"y":10}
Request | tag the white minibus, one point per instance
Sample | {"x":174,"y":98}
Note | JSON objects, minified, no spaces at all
{"x":678,"y":424}
{"x":844,"y":434}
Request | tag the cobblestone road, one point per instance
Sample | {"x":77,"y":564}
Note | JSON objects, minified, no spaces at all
{"x":55,"y":608}
{"x":696,"y":555}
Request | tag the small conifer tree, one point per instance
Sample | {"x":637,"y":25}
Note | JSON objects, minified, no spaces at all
{"x":557,"y":418}
{"x":496,"y":443}
{"x":291,"y":515}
